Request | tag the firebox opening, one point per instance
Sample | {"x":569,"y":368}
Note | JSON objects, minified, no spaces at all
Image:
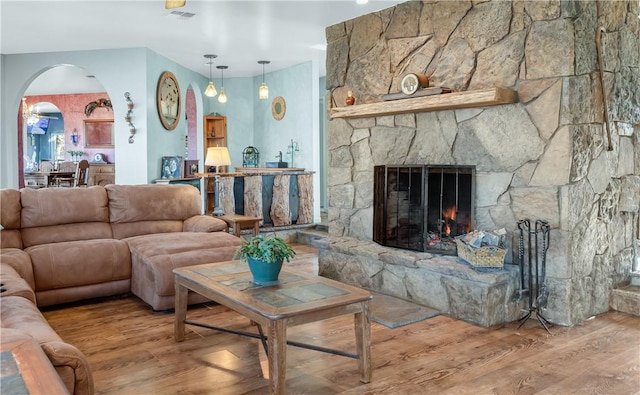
{"x":423,"y":207}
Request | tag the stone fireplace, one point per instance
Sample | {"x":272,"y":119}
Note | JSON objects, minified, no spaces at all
{"x":422,"y":208}
{"x":547,"y":155}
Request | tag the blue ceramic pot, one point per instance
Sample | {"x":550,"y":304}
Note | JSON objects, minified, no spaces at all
{"x":264,"y":272}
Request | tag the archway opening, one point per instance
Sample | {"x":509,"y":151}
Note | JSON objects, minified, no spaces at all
{"x":67,"y":100}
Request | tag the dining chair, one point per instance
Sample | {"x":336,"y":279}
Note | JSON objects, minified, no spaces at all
{"x":46,"y":166}
{"x":80,"y":178}
{"x":82,"y":174}
{"x":67,"y":166}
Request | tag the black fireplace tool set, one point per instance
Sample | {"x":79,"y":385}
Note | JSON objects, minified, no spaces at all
{"x":533,"y":269}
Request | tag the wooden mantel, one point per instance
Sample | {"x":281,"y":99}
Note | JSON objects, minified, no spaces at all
{"x":445,"y":101}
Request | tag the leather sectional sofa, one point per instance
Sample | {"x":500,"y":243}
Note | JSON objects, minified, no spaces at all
{"x":63,"y":245}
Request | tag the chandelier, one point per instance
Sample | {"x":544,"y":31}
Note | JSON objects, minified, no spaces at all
{"x":28,"y":115}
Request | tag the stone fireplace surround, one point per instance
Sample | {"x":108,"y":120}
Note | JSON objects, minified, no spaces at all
{"x":545,"y":157}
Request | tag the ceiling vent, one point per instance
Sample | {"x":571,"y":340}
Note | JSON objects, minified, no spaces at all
{"x":181,"y":14}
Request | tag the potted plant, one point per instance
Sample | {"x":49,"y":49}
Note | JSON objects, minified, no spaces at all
{"x":265,"y":256}
{"x":75,"y":155}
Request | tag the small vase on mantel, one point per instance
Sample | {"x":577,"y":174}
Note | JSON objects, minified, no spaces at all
{"x":350,"y":99}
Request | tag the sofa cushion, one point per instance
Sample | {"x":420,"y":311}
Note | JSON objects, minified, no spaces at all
{"x":56,"y":206}
{"x":64,"y":233}
{"x":55,"y":215}
{"x":130,"y":229}
{"x":10,"y":219}
{"x":79,"y":263}
{"x":146,"y":209}
{"x":153,"y":258}
{"x":204,"y":223}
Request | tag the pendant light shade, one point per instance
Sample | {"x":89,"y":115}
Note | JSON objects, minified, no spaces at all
{"x":263,"y":91}
{"x":222,"y":97}
{"x":211,"y":89}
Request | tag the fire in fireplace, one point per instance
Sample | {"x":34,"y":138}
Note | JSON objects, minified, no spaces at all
{"x":423,"y":207}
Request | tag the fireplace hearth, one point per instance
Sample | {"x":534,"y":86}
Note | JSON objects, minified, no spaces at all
{"x":423,"y":207}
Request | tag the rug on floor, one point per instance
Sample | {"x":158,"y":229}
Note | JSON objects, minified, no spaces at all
{"x":395,"y":312}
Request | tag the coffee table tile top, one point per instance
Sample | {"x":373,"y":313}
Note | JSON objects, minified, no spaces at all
{"x":11,"y":379}
{"x":245,"y":282}
{"x":220,"y":270}
{"x":296,"y":295}
{"x":276,"y":297}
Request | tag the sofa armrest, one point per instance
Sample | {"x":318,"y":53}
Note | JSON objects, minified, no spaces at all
{"x":203,"y":223}
{"x":20,"y":261}
{"x":12,"y":284}
{"x":64,"y":355}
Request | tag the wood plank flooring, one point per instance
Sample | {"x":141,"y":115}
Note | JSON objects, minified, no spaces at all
{"x":131,"y":351}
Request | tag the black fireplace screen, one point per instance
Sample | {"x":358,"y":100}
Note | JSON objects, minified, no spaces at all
{"x":423,"y":207}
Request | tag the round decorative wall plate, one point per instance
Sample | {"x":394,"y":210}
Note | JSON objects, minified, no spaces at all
{"x":278,"y":108}
{"x":168,"y":100}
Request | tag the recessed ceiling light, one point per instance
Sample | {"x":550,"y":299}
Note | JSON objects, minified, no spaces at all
{"x":362,"y":1}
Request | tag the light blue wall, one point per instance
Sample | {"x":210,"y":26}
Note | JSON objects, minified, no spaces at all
{"x":294,"y":84}
{"x":162,"y":142}
{"x":239,"y":112}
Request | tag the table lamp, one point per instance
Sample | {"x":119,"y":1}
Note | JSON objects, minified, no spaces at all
{"x":217,"y":156}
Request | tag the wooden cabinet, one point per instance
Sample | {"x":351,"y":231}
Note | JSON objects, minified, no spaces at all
{"x":215,"y":132}
{"x":102,"y":174}
{"x":215,"y":135}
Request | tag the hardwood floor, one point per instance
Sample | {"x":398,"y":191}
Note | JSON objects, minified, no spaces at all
{"x":131,"y":351}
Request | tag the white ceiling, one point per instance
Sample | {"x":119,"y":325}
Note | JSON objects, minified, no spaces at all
{"x":239,"y":32}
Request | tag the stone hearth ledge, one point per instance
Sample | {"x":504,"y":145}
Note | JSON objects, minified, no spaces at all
{"x":446,"y":283}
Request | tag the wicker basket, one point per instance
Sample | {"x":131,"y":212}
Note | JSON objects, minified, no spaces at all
{"x":483,"y":256}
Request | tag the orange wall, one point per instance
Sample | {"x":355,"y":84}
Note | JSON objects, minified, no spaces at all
{"x":72,"y":110}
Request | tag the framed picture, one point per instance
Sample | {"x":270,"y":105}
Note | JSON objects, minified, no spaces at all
{"x":98,"y":133}
{"x":171,"y":167}
{"x":190,"y":168}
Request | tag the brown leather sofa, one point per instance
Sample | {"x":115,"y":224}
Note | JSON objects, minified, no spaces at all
{"x":71,"y":244}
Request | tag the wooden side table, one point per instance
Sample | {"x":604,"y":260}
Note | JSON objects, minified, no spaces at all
{"x":239,"y":222}
{"x":26,"y":368}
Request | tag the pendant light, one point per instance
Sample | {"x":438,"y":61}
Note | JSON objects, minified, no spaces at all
{"x":211,"y":89}
{"x":263,"y":91}
{"x":222,"y":98}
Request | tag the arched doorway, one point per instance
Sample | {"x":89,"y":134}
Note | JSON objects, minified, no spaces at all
{"x":76,"y":99}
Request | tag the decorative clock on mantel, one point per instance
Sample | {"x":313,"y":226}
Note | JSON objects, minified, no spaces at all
{"x":99,"y":158}
{"x":168,"y":100}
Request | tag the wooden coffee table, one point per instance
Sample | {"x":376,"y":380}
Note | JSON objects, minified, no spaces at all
{"x":296,"y":298}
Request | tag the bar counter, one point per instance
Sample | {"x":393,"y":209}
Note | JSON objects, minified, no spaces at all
{"x":280,"y":196}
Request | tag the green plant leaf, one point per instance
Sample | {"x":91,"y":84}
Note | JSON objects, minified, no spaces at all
{"x":268,"y":249}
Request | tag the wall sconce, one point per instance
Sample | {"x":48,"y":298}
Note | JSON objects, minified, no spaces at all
{"x":222,"y":98}
{"x":75,"y":137}
{"x":211,"y":89}
{"x":127,"y":118}
{"x":263,"y":91}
